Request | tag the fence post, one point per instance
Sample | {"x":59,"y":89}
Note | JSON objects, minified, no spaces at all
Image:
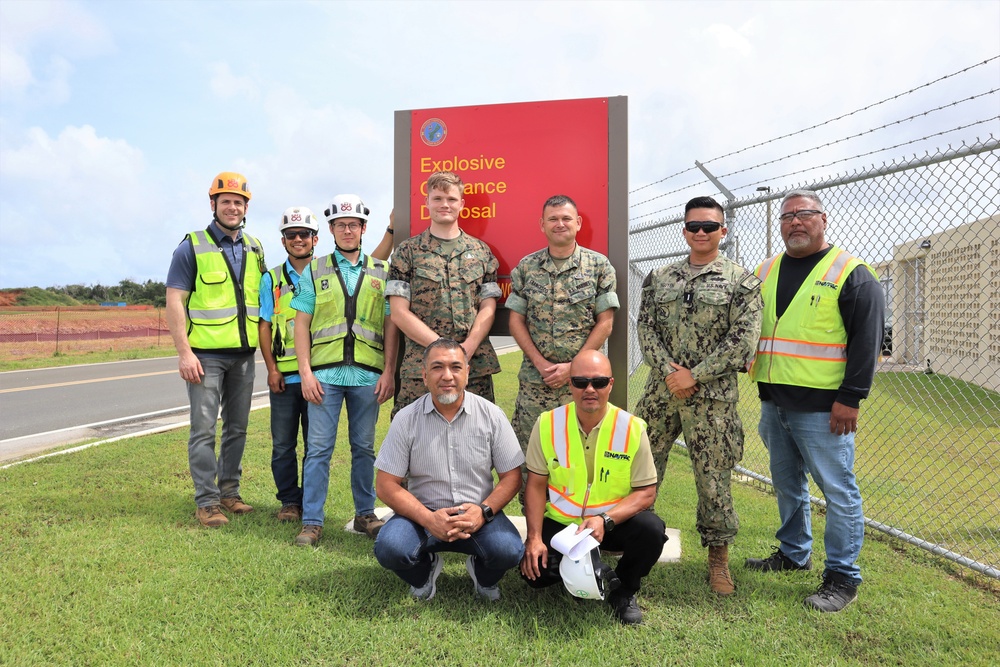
{"x":57,"y":330}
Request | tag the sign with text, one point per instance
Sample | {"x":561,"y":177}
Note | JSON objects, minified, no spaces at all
{"x":512,"y":157}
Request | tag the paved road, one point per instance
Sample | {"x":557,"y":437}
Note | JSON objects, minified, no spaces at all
{"x":44,"y":408}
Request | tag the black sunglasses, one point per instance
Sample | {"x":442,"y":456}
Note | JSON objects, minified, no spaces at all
{"x":599,"y":382}
{"x":707,"y":227}
{"x":291,"y":234}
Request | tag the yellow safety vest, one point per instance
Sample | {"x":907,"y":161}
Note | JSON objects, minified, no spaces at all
{"x":348,"y":330}
{"x":571,"y":496}
{"x":807,"y":347}
{"x":283,"y":321}
{"x":221,"y":316}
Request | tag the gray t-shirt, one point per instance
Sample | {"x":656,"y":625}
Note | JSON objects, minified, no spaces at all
{"x":447,"y":464}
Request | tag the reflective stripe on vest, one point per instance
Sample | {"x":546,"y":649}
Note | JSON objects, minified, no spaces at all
{"x":349,"y":330}
{"x":571,"y":497}
{"x":807,"y":345}
{"x":283,"y":322}
{"x":221,"y":316}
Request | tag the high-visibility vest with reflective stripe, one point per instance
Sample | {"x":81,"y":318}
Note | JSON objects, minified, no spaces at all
{"x":807,"y":346}
{"x":221,"y":316}
{"x":570,"y":497}
{"x":348,"y":330}
{"x":283,"y":322}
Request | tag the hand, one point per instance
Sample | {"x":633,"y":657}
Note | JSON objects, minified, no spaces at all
{"x":386,"y":385}
{"x":276,"y":381}
{"x":596,"y":524}
{"x":465,"y":348}
{"x":843,"y":419}
{"x":312,"y":391}
{"x":680,"y":383}
{"x":190,"y":367}
{"x":449,"y":524}
{"x":556,"y":375}
{"x":392,"y":219}
{"x":536,"y":558}
{"x":468,"y":520}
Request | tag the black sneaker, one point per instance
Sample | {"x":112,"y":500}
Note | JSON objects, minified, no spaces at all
{"x":777,"y":562}
{"x":625,"y":608}
{"x":835,"y":593}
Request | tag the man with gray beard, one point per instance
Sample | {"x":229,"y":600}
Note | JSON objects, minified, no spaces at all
{"x":444,"y":446}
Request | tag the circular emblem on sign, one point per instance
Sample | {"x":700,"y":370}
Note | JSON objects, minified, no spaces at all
{"x":433,"y":131}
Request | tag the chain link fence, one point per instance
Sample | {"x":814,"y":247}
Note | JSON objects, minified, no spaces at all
{"x":39,"y":331}
{"x":928,"y":445}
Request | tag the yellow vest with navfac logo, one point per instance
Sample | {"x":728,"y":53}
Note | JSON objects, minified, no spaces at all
{"x":221,"y":316}
{"x":348,"y":330}
{"x":283,"y":322}
{"x":807,"y":346}
{"x":571,"y":495}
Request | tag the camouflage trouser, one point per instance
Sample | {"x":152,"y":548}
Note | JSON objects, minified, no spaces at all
{"x":410,"y":389}
{"x":533,"y":398}
{"x":714,"y":437}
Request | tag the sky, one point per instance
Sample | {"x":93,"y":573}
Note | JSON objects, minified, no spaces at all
{"x":116,"y":116}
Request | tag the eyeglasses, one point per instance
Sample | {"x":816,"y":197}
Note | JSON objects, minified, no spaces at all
{"x":291,"y":234}
{"x":696,"y":226}
{"x":599,"y":382}
{"x":803,"y":215}
{"x":340,"y":226}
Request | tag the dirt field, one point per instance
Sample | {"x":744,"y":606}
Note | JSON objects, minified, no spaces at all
{"x":31,"y":332}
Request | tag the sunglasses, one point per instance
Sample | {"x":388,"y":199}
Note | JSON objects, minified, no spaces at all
{"x":291,"y":235}
{"x":599,"y":382}
{"x":708,"y":227}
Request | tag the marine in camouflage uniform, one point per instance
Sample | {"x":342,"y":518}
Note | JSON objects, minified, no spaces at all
{"x":705,"y":321}
{"x":560,"y":308}
{"x":446,"y":282}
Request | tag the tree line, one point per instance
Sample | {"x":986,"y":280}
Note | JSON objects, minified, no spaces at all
{"x":149,"y":293}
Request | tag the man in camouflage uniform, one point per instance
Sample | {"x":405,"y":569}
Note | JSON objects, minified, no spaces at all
{"x":698,"y":325}
{"x":443,"y":284}
{"x":562,"y":301}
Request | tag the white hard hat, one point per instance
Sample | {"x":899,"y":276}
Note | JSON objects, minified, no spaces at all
{"x":588,"y":577}
{"x":346,"y":206}
{"x":299,"y":216}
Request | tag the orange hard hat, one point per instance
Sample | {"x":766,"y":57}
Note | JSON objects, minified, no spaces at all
{"x":230,"y":181}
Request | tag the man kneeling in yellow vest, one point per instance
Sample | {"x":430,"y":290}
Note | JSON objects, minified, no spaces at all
{"x":593,"y":461}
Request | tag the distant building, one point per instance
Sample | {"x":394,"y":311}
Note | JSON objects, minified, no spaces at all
{"x":943,"y":292}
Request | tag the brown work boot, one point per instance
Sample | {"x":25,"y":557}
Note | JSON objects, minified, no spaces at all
{"x":309,"y":536}
{"x":290,"y":513}
{"x":211,"y":516}
{"x":235,"y":505}
{"x":719,"y":579}
{"x":369,"y":524}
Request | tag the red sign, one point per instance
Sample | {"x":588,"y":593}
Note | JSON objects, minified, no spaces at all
{"x":512,"y":157}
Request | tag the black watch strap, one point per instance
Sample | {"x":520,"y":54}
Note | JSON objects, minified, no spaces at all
{"x":487,"y":512}
{"x":609,"y":523}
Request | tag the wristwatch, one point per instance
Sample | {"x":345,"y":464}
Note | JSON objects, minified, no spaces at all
{"x":487,"y":512}
{"x":609,"y":523}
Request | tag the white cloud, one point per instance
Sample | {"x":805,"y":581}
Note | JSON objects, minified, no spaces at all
{"x":40,"y":40}
{"x":227,"y":85}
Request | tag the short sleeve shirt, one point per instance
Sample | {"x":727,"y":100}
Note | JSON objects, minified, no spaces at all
{"x":449,"y":463}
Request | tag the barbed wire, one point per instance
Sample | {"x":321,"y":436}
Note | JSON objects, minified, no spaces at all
{"x":821,"y":166}
{"x":861,"y":134}
{"x":829,"y":143}
{"x":826,"y":122}
{"x":878,"y":150}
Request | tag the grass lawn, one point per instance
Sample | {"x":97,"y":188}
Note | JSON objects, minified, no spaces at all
{"x":103,"y":563}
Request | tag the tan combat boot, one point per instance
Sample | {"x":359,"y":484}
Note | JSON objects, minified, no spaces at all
{"x":719,"y":579}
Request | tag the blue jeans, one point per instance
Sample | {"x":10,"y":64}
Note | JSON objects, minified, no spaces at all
{"x":801,"y":442}
{"x":362,"y":413}
{"x":404,"y":547}
{"x":288,"y":410}
{"x":227,"y":383}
